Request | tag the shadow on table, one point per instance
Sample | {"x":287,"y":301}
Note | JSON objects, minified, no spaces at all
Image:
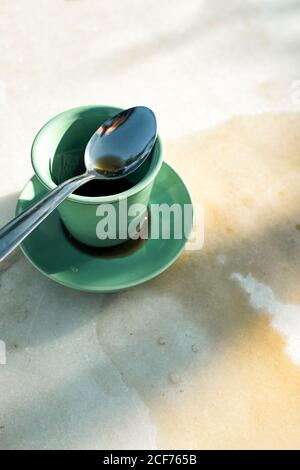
{"x":33,"y":309}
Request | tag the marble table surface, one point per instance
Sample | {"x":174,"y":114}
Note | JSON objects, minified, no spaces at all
{"x":207,"y":355}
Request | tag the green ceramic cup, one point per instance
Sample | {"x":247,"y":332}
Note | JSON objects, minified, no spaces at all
{"x":57,"y":154}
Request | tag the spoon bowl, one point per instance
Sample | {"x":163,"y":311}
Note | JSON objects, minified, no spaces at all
{"x":116,"y":148}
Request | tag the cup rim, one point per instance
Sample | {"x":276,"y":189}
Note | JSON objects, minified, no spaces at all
{"x":49,"y":183}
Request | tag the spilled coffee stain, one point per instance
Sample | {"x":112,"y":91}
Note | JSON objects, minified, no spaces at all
{"x":127,"y":248}
{"x":124,"y":249}
{"x":241,"y":388}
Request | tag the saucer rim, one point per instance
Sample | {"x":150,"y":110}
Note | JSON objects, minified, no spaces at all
{"x":112,"y":289}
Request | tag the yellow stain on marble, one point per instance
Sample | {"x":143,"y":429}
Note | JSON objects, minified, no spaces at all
{"x":246,"y":173}
{"x":240,"y":390}
{"x":247,"y":397}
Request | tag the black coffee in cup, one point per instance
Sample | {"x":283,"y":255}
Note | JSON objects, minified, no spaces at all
{"x":70,"y":163}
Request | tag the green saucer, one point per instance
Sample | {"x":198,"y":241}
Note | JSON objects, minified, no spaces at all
{"x":61,"y":258}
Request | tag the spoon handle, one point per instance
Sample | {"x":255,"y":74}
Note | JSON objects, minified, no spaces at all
{"x":13,"y":233}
